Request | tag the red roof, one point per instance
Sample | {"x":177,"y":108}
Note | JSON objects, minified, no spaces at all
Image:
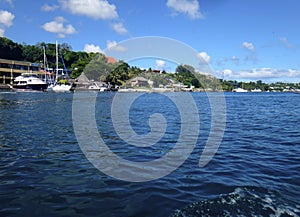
{"x":110,"y":60}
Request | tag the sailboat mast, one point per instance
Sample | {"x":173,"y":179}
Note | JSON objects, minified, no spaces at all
{"x":45,"y":72}
{"x":56,"y":51}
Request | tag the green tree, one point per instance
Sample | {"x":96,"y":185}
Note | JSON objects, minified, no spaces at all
{"x":10,"y":50}
{"x":186,"y":74}
{"x":97,"y":67}
{"x":119,"y":75}
{"x":32,"y":53}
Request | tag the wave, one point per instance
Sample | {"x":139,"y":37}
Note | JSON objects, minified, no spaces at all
{"x":243,"y":201}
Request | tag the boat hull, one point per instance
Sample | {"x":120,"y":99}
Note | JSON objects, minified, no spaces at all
{"x":61,"y":88}
{"x":31,"y":87}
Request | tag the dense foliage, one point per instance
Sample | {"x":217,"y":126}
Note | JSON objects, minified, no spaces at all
{"x":34,"y":53}
{"x":96,"y":67}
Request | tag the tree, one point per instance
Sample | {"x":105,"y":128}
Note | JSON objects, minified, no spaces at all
{"x":97,"y":67}
{"x":32,"y":53}
{"x":186,"y":75}
{"x":10,"y":50}
{"x":119,"y":75}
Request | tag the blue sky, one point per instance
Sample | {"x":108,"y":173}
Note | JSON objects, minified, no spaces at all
{"x":243,"y":39}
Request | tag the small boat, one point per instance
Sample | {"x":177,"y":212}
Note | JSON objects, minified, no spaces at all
{"x":256,"y":90}
{"x":62,"y":87}
{"x":239,"y":90}
{"x":96,"y":87}
{"x":62,"y":80}
{"x":29,"y":82}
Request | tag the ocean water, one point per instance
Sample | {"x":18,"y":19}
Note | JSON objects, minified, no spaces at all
{"x":255,"y":172}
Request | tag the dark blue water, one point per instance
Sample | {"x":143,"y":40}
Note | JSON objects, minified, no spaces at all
{"x":255,"y":172}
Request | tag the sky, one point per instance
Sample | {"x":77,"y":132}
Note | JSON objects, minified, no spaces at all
{"x":244,"y":40}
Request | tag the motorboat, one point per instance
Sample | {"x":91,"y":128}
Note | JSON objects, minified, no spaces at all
{"x":29,"y":82}
{"x":239,"y":90}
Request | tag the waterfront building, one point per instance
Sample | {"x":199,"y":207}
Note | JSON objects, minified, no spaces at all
{"x":10,"y":69}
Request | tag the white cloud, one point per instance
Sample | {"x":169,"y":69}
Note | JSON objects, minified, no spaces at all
{"x":227,"y":72}
{"x":47,"y":7}
{"x":204,"y":57}
{"x":248,"y":46}
{"x":60,"y":19}
{"x":189,"y":7}
{"x":58,"y":27}
{"x":91,"y":48}
{"x":119,"y":28}
{"x":6,"y":18}
{"x":269,"y":73}
{"x":2,"y":31}
{"x":97,"y":9}
{"x":262,"y":73}
{"x":160,"y":64}
{"x":113,"y":46}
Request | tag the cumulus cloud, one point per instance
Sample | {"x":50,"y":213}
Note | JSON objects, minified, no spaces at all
{"x":262,"y":73}
{"x":113,"y":46}
{"x":204,"y":57}
{"x":189,"y":7}
{"x":160,"y":64}
{"x":249,"y":46}
{"x":58,"y":27}
{"x":91,"y":48}
{"x":96,"y":9}
{"x":119,"y":28}
{"x":47,"y":7}
{"x":227,"y":72}
{"x":6,"y":18}
{"x":269,"y":73}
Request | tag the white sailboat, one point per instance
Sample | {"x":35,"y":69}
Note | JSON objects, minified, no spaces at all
{"x":62,"y":83}
{"x":48,"y":73}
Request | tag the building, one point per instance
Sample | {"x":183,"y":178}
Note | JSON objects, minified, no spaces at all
{"x":139,"y":82}
{"x":9,"y":69}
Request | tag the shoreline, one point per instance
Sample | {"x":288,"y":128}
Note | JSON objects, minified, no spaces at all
{"x":5,"y":87}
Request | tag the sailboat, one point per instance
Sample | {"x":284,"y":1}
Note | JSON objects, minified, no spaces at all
{"x":62,"y":80}
{"x":48,"y":73}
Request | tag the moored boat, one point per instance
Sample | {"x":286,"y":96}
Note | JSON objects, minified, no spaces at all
{"x":239,"y":90}
{"x":62,"y":80}
{"x":62,"y":87}
{"x":29,"y":82}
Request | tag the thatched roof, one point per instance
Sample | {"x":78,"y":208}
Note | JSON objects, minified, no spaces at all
{"x":82,"y":79}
